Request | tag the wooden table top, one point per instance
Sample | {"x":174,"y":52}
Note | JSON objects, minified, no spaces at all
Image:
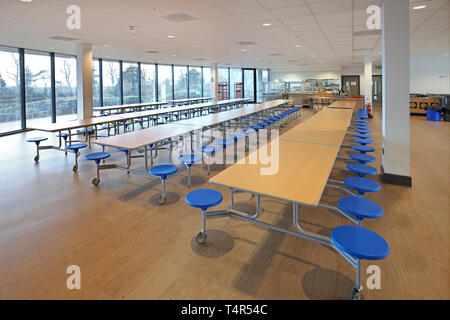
{"x":141,"y":138}
{"x":343,"y":104}
{"x":67,"y":125}
{"x":302,"y":173}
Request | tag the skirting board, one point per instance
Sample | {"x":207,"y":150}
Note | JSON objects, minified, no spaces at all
{"x":389,"y":178}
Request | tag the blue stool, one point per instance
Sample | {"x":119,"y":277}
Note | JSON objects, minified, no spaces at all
{"x":362,"y":121}
{"x":97,"y":157}
{"x":209,"y":150}
{"x":363,"y":141}
{"x":64,"y":136}
{"x":362,"y":157}
{"x":362,"y":131}
{"x":75,"y":148}
{"x":360,"y":208}
{"x":162,"y":171}
{"x":363,"y":149}
{"x":362,"y":127}
{"x":362,"y":169}
{"x":256,"y":128}
{"x":363,"y":136}
{"x":359,"y":243}
{"x":203,"y":199}
{"x":362,"y":185}
{"x":37,"y":141}
{"x":263,"y":124}
{"x":188,"y":160}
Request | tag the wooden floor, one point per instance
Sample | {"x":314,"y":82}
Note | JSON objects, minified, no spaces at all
{"x":129,"y":247}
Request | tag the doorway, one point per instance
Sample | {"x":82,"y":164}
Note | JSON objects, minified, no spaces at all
{"x":377,"y":91}
{"x":351,"y":84}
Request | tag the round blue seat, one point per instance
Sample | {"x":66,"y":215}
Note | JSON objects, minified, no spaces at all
{"x":163,"y":170}
{"x":363,"y":116}
{"x":263,"y":124}
{"x":256,"y":128}
{"x":362,"y":157}
{"x":361,"y":208}
{"x":362,"y":169}
{"x":97,"y":156}
{"x":63,"y":135}
{"x":363,"y":136}
{"x":84,"y":131}
{"x":362,"y":185}
{"x":75,"y":147}
{"x":223,"y":142}
{"x":189,"y":159}
{"x":362,"y":121}
{"x":269,"y":121}
{"x":37,"y":140}
{"x":203,"y":198}
{"x":363,"y":141}
{"x":362,"y":131}
{"x":362,"y":127}
{"x":360,"y":243}
{"x":209,"y":149}
{"x":363,"y":149}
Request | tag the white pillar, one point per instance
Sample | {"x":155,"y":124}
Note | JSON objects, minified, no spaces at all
{"x":84,"y":81}
{"x":214,"y":87}
{"x":368,"y":79}
{"x":396,"y":154}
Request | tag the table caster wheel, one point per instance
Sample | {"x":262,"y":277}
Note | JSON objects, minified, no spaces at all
{"x":96,"y":181}
{"x":162,"y":200}
{"x":201,"y":237}
{"x":36,"y":159}
{"x":356,"y":294}
{"x":75,"y":168}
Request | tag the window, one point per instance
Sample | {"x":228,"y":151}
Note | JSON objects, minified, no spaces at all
{"x":195,"y":82}
{"x":180,"y":80}
{"x":66,"y":88}
{"x":148,"y":83}
{"x":236,"y":83}
{"x":265,"y":75}
{"x":130,"y":83}
{"x":96,"y":82}
{"x":249,"y":84}
{"x":38,"y":88}
{"x":10,"y":106}
{"x":223,"y":75}
{"x":111,"y":83}
{"x":206,"y":82}
{"x":165,"y":83}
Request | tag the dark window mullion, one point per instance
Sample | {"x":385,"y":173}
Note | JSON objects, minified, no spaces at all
{"x":22,"y":88}
{"x":173,"y":82}
{"x":203,"y":95}
{"x":139,"y":82}
{"x":187,"y":85}
{"x":121,"y":81}
{"x":53,"y":85}
{"x":100,"y":75}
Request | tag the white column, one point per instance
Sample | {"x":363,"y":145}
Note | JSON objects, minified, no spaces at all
{"x":214,"y":81}
{"x":368,"y":79}
{"x":396,"y":154}
{"x":84,"y":81}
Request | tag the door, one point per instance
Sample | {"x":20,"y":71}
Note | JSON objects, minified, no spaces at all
{"x":250,"y":84}
{"x":351,"y":84}
{"x":377,"y":91}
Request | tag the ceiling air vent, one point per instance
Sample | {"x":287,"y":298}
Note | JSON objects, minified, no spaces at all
{"x":152,"y":51}
{"x":245,"y":43}
{"x":178,"y":17}
{"x":275,"y":54}
{"x":62,"y":38}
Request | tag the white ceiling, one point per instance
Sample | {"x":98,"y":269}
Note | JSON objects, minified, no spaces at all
{"x":324,"y":29}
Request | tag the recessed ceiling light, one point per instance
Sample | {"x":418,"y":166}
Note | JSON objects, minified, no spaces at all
{"x":174,"y":55}
{"x":171,"y":36}
{"x":257,"y":58}
{"x":267,"y":24}
{"x":419,"y":7}
{"x":243,"y":50}
{"x":297,"y":46}
{"x":106,"y":45}
{"x":312,"y":56}
{"x":26,"y":0}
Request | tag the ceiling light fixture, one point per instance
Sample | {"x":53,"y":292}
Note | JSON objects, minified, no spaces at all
{"x":26,"y":0}
{"x":267,"y":24}
{"x":243,"y":50}
{"x":171,"y":36}
{"x":297,"y":46}
{"x":174,"y":55}
{"x":419,"y":7}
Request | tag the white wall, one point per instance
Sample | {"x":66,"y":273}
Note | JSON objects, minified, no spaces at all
{"x":303,"y":75}
{"x":425,"y":75}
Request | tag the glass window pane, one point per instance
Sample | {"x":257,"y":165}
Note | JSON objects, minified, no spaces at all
{"x":10,"y":114}
{"x":111,"y":83}
{"x":148,"y":82}
{"x":130,"y":83}
{"x":249,"y":83}
{"x":206,"y":82}
{"x":38,"y":88}
{"x":66,"y":88}
{"x":195,"y":82}
{"x":265,"y":75}
{"x":236,"y":83}
{"x":96,"y":82}
{"x":180,"y":75}
{"x":224,"y":86}
{"x":165,"y":82}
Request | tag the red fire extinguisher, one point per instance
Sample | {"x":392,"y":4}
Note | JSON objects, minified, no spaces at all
{"x":369,"y":110}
